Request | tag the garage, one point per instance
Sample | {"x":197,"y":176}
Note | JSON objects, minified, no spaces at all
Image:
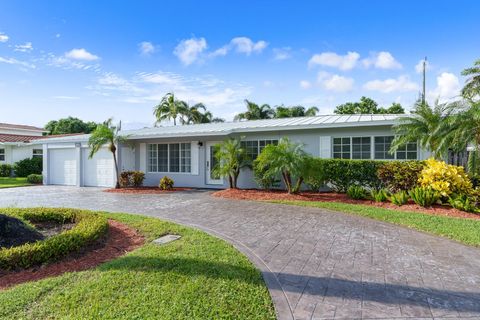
{"x":63,"y":166}
{"x":98,"y":171}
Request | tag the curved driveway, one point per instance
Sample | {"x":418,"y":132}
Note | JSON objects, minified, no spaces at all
{"x":317,"y":264}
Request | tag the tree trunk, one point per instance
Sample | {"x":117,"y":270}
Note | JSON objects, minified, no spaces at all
{"x":298,"y":185}
{"x":230,"y":181}
{"x":117,"y":184}
{"x":288,"y":181}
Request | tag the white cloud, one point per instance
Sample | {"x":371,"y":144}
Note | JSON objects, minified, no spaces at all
{"x":331,"y":59}
{"x":188,"y":51}
{"x":27,"y":47}
{"x":81,"y":54}
{"x":165,"y":78}
{"x":3,"y":37}
{"x":247,"y":46}
{"x":400,"y":84}
{"x":419,"y":66}
{"x":448,"y":87}
{"x":282,"y":53}
{"x":220,"y":52}
{"x":382,"y":60}
{"x":146,"y":48}
{"x":14,"y":61}
{"x":304,"y":84}
{"x":335,"y":82}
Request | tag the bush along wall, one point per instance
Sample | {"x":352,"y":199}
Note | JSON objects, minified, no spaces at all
{"x":400,"y":175}
{"x":26,"y":167}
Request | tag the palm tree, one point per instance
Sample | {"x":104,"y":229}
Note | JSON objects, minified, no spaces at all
{"x":296,"y":111}
{"x":426,"y":125}
{"x":232,"y":157}
{"x":312,"y":111}
{"x":194,"y":115}
{"x":472,"y":86}
{"x":169,"y":108}
{"x":106,"y":134}
{"x":256,"y":112}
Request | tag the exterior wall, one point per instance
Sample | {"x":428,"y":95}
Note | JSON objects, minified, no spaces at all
{"x":15,"y":153}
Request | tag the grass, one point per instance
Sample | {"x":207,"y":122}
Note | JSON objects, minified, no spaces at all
{"x":195,"y":277}
{"x":13,"y":182}
{"x":463,"y":230}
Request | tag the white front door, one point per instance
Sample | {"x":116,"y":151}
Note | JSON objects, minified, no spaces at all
{"x":211,"y":162}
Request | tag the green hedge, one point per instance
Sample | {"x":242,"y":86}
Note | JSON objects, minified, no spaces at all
{"x":5,"y":170}
{"x":400,"y":175}
{"x":25,"y":167}
{"x":89,"y":227}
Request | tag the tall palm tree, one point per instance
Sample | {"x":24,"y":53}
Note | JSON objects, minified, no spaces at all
{"x":295,"y":111}
{"x":194,"y":115}
{"x":426,"y":125}
{"x":255,"y":112}
{"x":169,"y":108}
{"x":232,"y":157}
{"x":472,"y":86}
{"x":106,"y":134}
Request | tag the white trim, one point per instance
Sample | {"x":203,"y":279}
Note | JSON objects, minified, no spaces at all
{"x":325,"y":149}
{"x":194,"y":158}
{"x":143,"y":157}
{"x":208,"y":179}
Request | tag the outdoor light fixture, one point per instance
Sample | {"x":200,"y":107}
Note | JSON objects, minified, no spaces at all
{"x":200,"y":143}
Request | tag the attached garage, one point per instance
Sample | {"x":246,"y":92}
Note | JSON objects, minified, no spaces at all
{"x":63,"y":167}
{"x":98,"y":171}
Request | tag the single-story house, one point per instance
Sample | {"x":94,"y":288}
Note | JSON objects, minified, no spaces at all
{"x":186,"y":153}
{"x":16,"y":142}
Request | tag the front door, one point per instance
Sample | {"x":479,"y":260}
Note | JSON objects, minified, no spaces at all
{"x":211,"y":163}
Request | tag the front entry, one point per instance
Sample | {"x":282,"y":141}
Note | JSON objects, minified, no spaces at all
{"x":211,"y":163}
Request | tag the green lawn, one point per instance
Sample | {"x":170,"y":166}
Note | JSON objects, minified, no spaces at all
{"x":13,"y":182}
{"x":463,"y":230}
{"x":196,"y":277}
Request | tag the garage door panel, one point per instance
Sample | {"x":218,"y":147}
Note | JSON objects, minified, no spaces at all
{"x":62,"y":167}
{"x":99,"y":170}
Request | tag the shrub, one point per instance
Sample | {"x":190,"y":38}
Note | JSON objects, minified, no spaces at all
{"x":166,"y":183}
{"x":35,"y":178}
{"x":356,"y":192}
{"x":444,"y":178}
{"x":88,"y":228}
{"x":315,"y":177}
{"x":424,"y":196}
{"x":262,"y":179}
{"x":25,"y":167}
{"x":380,"y":195}
{"x":131,"y":179}
{"x":5,"y":170}
{"x":399,"y":198}
{"x":400,"y":175}
{"x":463,"y":202}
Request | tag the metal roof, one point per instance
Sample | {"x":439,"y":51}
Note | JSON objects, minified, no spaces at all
{"x":21,"y":127}
{"x":225,"y":128}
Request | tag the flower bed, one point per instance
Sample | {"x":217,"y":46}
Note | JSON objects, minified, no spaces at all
{"x":88,"y":228}
{"x":263,"y":195}
{"x":145,"y":190}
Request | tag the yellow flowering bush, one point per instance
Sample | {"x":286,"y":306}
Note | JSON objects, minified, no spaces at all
{"x":445,"y":178}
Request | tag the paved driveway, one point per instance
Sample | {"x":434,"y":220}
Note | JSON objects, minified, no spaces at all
{"x":317,"y":264}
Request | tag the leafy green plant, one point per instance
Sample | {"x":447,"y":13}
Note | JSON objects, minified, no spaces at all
{"x":424,"y":196}
{"x":264,"y":180}
{"x":35,"y":178}
{"x":356,"y":192}
{"x":131,"y":179}
{"x":380,"y":195}
{"x":314,"y":176}
{"x":399,"y":198}
{"x":463,"y":202}
{"x":231,"y":158}
{"x":400,"y":175}
{"x":25,"y":167}
{"x":166,"y":183}
{"x":5,"y":170}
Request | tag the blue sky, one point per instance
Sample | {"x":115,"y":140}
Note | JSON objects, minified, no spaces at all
{"x":95,"y":60}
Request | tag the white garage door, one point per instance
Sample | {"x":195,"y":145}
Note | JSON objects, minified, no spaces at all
{"x":62,"y":167}
{"x":100,"y":170}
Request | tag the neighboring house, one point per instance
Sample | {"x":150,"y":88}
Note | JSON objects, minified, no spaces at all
{"x":185,"y":153}
{"x":16,"y":142}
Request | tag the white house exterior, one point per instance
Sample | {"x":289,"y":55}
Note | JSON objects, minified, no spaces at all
{"x":16,"y":142}
{"x":185,"y":153}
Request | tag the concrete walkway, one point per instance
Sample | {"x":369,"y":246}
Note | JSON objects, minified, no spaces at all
{"x":317,"y":264}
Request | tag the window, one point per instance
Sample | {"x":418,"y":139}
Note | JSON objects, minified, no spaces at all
{"x":254,"y":147}
{"x":361,"y":147}
{"x":2,"y":154}
{"x":37,"y":153}
{"x":407,"y":152}
{"x":341,"y":148}
{"x":382,"y":148}
{"x":173,"y":157}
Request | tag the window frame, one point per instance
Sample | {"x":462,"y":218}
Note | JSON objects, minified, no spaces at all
{"x":260,"y":144}
{"x":160,"y":154}
{"x":37,"y":155}
{"x":3,"y":154}
{"x":350,"y":144}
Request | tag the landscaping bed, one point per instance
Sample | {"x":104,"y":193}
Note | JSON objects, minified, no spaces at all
{"x":280,"y":195}
{"x":145,"y":190}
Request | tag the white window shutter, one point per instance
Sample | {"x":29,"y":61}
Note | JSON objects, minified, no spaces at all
{"x":325,"y":147}
{"x":194,"y":157}
{"x":143,"y":157}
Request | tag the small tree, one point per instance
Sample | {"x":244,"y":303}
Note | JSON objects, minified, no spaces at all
{"x":106,"y":134}
{"x":286,"y":159}
{"x":232,"y":157}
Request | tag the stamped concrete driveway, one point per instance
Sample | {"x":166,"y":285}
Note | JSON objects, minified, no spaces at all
{"x":317,"y":264}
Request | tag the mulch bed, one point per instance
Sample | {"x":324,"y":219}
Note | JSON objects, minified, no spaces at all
{"x":120,"y":240}
{"x":145,"y":190}
{"x":263,"y":195}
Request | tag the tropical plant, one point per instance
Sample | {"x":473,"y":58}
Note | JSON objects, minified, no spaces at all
{"x":232,"y":157}
{"x":286,"y":159}
{"x":170,"y":108}
{"x":28,"y":166}
{"x":426,"y":125}
{"x":380,"y":195}
{"x":166,"y":183}
{"x":356,"y":192}
{"x":106,"y":134}
{"x":194,"y":115}
{"x":424,"y":196}
{"x":255,"y":112}
{"x":6,"y":170}
{"x":399,"y":198}
{"x":463,"y":202}
{"x":400,"y":175}
{"x":295,"y":111}
{"x":315,"y":176}
{"x":35,"y":178}
{"x":472,"y":86}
